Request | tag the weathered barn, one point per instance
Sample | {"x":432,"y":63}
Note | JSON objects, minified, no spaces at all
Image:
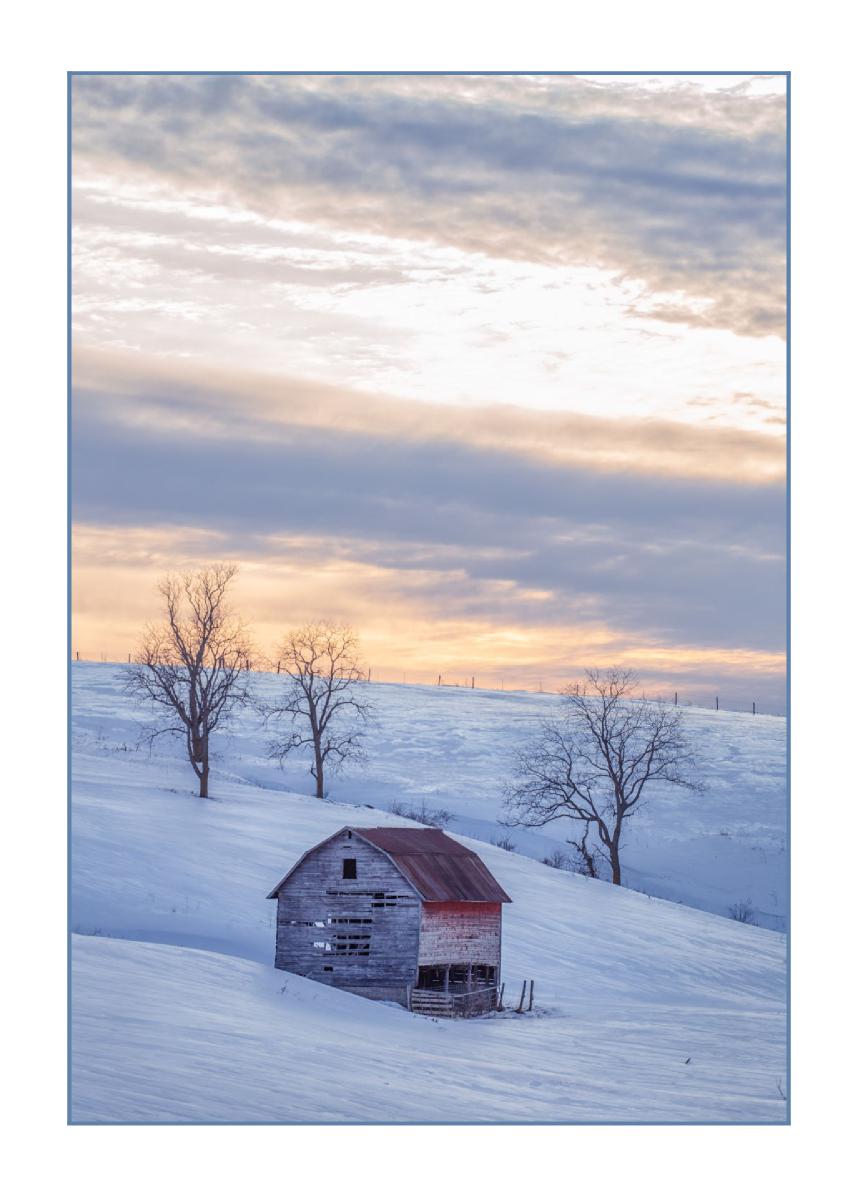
{"x":407,"y":915}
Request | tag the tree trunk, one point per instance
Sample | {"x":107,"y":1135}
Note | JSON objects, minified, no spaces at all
{"x":614,"y":859}
{"x":319,"y":774}
{"x":203,"y":774}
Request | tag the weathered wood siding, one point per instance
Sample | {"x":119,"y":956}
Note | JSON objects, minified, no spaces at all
{"x":457,"y":932}
{"x":360,"y":934}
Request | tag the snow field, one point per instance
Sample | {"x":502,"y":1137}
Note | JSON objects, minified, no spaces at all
{"x":178,"y":1015}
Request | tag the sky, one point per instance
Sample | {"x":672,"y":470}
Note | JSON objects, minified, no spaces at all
{"x":490,"y":367}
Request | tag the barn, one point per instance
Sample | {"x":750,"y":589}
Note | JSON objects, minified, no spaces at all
{"x":401,"y":914}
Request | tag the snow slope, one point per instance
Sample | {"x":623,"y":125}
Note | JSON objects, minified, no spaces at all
{"x":452,"y":748}
{"x":177,"y":1015}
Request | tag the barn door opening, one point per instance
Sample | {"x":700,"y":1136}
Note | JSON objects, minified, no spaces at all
{"x":457,"y":977}
{"x":432,"y":979}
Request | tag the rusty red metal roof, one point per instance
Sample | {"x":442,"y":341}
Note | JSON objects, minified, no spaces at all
{"x":437,"y":866}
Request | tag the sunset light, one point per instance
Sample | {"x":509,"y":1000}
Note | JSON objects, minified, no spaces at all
{"x":491,"y":367}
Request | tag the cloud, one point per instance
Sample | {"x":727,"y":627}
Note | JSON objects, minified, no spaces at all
{"x":488,"y":529}
{"x":617,"y":233}
{"x":691,"y":202}
{"x":175,"y":396}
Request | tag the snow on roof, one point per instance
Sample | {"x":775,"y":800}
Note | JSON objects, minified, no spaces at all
{"x":437,"y":866}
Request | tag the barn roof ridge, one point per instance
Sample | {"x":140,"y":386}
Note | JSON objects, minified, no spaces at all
{"x":419,"y":840}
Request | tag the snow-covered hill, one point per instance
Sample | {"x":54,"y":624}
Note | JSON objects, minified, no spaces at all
{"x":451,"y":749}
{"x":645,"y":1010}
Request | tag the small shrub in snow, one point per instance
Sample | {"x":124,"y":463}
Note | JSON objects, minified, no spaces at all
{"x":557,"y":859}
{"x":503,"y":842}
{"x":585,"y":860}
{"x":439,"y":818}
{"x":743,"y":911}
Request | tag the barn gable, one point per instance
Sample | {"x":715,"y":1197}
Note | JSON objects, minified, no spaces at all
{"x":345,"y":832}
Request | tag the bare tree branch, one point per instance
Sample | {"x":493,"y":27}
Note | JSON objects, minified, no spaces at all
{"x":593,"y":763}
{"x":322,"y":701}
{"x":191,"y":669}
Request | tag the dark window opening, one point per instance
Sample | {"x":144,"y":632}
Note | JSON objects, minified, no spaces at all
{"x":351,"y":945}
{"x":380,"y":902}
{"x":388,"y":900}
{"x":348,"y":868}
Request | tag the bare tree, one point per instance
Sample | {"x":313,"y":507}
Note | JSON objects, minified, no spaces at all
{"x":322,"y":700}
{"x":192,"y":667}
{"x":593,"y":763}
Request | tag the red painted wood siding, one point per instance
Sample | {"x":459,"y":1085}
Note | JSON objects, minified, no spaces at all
{"x":456,"y":932}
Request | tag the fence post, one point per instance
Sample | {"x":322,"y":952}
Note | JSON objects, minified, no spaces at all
{"x":77,"y":655}
{"x":716,"y":704}
{"x":754,"y":708}
{"x":530,"y":994}
{"x":522,"y":997}
{"x":675,"y":698}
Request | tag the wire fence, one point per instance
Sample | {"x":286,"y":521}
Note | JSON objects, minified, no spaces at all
{"x":754,"y":707}
{"x":495,"y":684}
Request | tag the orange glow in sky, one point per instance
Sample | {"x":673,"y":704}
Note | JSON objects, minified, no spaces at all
{"x":492,"y":368}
